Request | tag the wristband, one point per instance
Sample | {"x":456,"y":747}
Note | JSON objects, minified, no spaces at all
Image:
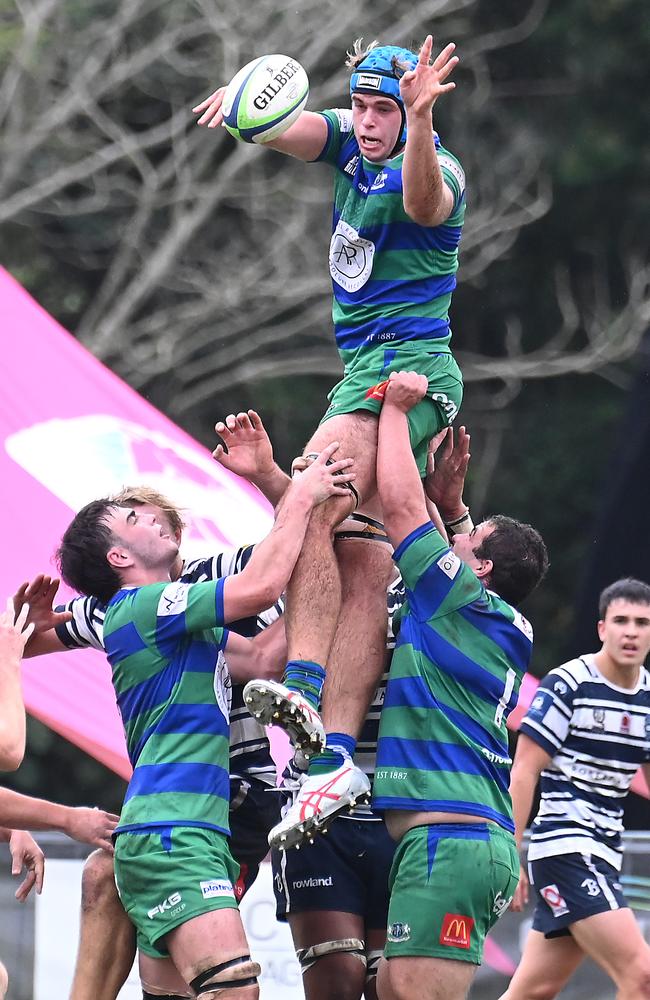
{"x":461,"y":525}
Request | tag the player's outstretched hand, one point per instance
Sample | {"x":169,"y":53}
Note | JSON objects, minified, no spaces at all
{"x":520,"y":897}
{"x":210,"y":109}
{"x":405,"y":390}
{"x":421,"y":87}
{"x":40,"y":594}
{"x":26,"y":854}
{"x":91,"y":826}
{"x":14,"y":632}
{"x":446,"y":472}
{"x":246,"y":450}
{"x":320,"y":480}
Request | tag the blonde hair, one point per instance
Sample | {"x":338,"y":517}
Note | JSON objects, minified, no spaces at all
{"x":358,"y":53}
{"x":144,"y":494}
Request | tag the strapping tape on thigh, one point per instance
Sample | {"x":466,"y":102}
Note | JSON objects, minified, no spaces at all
{"x":309,"y":956}
{"x":230,"y":975}
{"x":361,"y":527}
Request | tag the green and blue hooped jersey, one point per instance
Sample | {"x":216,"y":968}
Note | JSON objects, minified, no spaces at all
{"x":163,"y":647}
{"x":392,"y":278}
{"x":454,"y":678}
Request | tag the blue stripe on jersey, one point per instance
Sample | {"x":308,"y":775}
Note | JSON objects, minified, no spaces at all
{"x":413,"y":536}
{"x":431,"y":590}
{"x":397,"y":292}
{"x":153,"y":779}
{"x":391,"y":328}
{"x":149,"y":693}
{"x":413,"y":692}
{"x":452,"y":661}
{"x":446,"y":805}
{"x":184,"y":719}
{"x":218,"y":596}
{"x":514,"y":643}
{"x":126,"y":641}
{"x":433,"y":755}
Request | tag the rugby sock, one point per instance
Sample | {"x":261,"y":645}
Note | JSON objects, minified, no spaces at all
{"x":339,"y":747}
{"x":305,"y":677}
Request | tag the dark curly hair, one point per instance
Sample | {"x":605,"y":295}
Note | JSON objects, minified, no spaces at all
{"x":519,"y":558}
{"x":81,"y":556}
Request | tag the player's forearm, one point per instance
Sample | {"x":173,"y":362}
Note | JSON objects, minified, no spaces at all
{"x":12,"y":719}
{"x":23,"y":812}
{"x":267,"y":572}
{"x":273,"y":485}
{"x":424,"y":190}
{"x":522,"y":792}
{"x":400,"y":486}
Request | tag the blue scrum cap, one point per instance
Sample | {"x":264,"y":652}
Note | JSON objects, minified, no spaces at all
{"x":379,"y":73}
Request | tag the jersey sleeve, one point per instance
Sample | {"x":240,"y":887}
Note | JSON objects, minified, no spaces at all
{"x":454,"y":177}
{"x":339,"y":130}
{"x":86,"y":627}
{"x":225,"y":563}
{"x":436,"y":580}
{"x":548,"y":719}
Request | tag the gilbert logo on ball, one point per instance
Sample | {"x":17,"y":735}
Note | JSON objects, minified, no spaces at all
{"x":265,"y":98}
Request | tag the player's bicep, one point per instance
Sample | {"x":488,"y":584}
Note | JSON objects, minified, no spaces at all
{"x":530,"y":757}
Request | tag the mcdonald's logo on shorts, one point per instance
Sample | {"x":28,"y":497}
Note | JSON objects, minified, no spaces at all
{"x":456,"y":930}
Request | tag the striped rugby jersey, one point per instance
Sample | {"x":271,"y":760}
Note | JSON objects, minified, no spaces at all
{"x":454,"y":678}
{"x":250,"y":755}
{"x":392,"y":278}
{"x":161,"y":641}
{"x":597,"y":735}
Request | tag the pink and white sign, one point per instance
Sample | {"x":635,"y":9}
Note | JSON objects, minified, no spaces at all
{"x":72,"y":431}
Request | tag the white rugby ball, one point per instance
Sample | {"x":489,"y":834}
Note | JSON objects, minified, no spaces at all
{"x":265,"y":98}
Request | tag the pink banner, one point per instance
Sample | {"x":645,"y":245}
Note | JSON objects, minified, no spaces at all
{"x":73,"y":431}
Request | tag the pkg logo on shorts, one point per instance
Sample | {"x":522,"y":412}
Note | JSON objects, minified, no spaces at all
{"x":216,"y":887}
{"x":398,"y":932}
{"x":456,"y":930}
{"x":166,"y":906}
{"x":551,"y":895}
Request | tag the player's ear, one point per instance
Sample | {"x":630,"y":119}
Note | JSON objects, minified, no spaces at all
{"x":118,"y":557}
{"x":483,"y":569}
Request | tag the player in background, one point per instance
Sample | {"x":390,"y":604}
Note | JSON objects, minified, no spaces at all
{"x":586,"y":733}
{"x":443,"y":765}
{"x":399,"y":204}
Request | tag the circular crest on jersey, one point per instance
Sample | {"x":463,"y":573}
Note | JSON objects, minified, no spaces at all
{"x":265,"y":98}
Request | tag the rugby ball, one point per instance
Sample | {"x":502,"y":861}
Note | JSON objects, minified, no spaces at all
{"x":265,"y":98}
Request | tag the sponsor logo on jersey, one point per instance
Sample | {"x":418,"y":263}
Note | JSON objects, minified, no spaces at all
{"x":522,"y":624}
{"x":454,"y":168}
{"x":351,"y":166}
{"x":350,"y":257}
{"x":166,"y":906}
{"x":540,"y":703}
{"x":599,"y":718}
{"x":216,"y":887}
{"x":449,"y":563}
{"x":173,"y":600}
{"x":626,"y":722}
{"x":398,"y":932}
{"x":456,"y":930}
{"x":495,"y":758}
{"x":560,"y":687}
{"x":551,"y":895}
{"x":380,"y":180}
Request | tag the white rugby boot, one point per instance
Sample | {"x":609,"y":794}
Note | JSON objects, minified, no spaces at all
{"x":319,"y":800}
{"x":273,"y":704}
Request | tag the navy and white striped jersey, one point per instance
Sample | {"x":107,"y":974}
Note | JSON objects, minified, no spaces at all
{"x":597,"y":735}
{"x":249,"y":745}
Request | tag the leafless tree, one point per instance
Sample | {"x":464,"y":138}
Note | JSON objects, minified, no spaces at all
{"x":207,"y":256}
